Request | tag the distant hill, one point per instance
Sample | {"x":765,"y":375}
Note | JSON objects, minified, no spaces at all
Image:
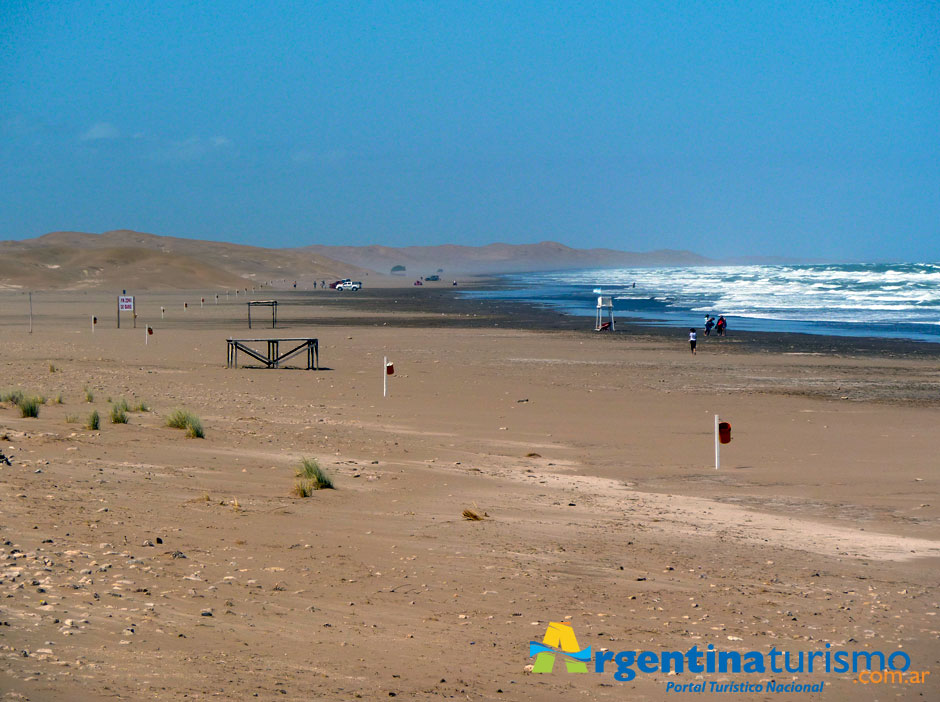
{"x":122,"y":258}
{"x":500,"y":258}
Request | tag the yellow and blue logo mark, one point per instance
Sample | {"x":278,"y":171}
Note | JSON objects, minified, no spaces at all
{"x":559,"y":640}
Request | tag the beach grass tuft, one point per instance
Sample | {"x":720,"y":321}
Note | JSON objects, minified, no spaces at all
{"x":11,"y":395}
{"x":474,"y":515}
{"x":310,"y":477}
{"x":94,"y":421}
{"x":310,"y":470}
{"x":302,"y":488}
{"x":89,"y":395}
{"x":58,"y":399}
{"x":194,"y":429}
{"x":71,"y":418}
{"x":119,"y":413}
{"x":184,"y":419}
{"x":52,"y":368}
{"x":140,"y":406}
{"x":29,"y":406}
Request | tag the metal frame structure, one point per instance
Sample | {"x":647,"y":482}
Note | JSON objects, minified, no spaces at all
{"x":274,"y":357}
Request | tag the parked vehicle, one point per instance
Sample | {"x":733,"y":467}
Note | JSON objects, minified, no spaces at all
{"x":350,"y":285}
{"x":433,"y":278}
{"x":339,"y":282}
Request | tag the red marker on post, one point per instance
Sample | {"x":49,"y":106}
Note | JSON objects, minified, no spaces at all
{"x":389,"y":370}
{"x":722,"y":436}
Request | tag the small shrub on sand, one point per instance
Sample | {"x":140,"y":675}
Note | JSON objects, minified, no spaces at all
{"x":71,"y":419}
{"x":302,"y":488}
{"x":29,"y":406}
{"x":94,"y":421}
{"x":177,"y":419}
{"x":118,"y":413}
{"x":58,"y":399}
{"x":140,"y":406}
{"x":183,"y":419}
{"x":194,"y":429}
{"x":311,"y":470}
{"x":310,"y":477}
{"x":89,"y":395}
{"x":52,"y":368}
{"x":475,"y":514}
{"x":11,"y":395}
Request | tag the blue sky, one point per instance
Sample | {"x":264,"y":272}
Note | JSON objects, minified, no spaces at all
{"x":732,"y":128}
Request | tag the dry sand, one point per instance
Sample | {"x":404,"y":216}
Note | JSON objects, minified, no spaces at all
{"x":138,"y":564}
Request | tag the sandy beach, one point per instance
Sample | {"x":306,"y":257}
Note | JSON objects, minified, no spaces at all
{"x":137,"y":563}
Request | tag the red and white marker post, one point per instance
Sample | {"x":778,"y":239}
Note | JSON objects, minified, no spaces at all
{"x":722,"y":436}
{"x":387,"y":370}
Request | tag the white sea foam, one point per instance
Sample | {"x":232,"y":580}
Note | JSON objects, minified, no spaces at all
{"x":857,"y":293}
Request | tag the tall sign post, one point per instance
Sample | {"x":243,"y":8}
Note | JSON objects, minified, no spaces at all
{"x":125,"y":304}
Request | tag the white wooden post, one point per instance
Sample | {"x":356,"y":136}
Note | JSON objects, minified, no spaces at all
{"x":385,"y":376}
{"x":717,"y":445}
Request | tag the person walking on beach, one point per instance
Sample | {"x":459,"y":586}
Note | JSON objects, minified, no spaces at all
{"x":721,"y":326}
{"x":709,"y":323}
{"x":692,"y":340}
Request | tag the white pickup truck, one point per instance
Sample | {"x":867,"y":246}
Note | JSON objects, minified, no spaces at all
{"x":350,"y":285}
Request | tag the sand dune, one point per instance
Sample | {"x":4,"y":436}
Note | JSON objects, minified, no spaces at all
{"x":123,"y":258}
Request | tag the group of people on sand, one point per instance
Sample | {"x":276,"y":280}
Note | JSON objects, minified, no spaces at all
{"x":720,"y":326}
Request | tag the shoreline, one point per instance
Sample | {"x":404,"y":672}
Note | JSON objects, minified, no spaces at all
{"x":445,"y":307}
{"x":525,"y":315}
{"x":442,"y":306}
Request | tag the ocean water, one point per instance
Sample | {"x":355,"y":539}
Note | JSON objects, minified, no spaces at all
{"x":900,"y":300}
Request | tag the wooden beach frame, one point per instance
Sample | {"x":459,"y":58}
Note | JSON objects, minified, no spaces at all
{"x":264,"y":303}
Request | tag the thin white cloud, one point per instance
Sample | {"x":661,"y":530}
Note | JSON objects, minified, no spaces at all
{"x":101,"y":130}
{"x":192,"y":149}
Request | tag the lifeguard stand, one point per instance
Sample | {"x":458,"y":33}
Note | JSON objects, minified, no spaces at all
{"x":604,"y":303}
